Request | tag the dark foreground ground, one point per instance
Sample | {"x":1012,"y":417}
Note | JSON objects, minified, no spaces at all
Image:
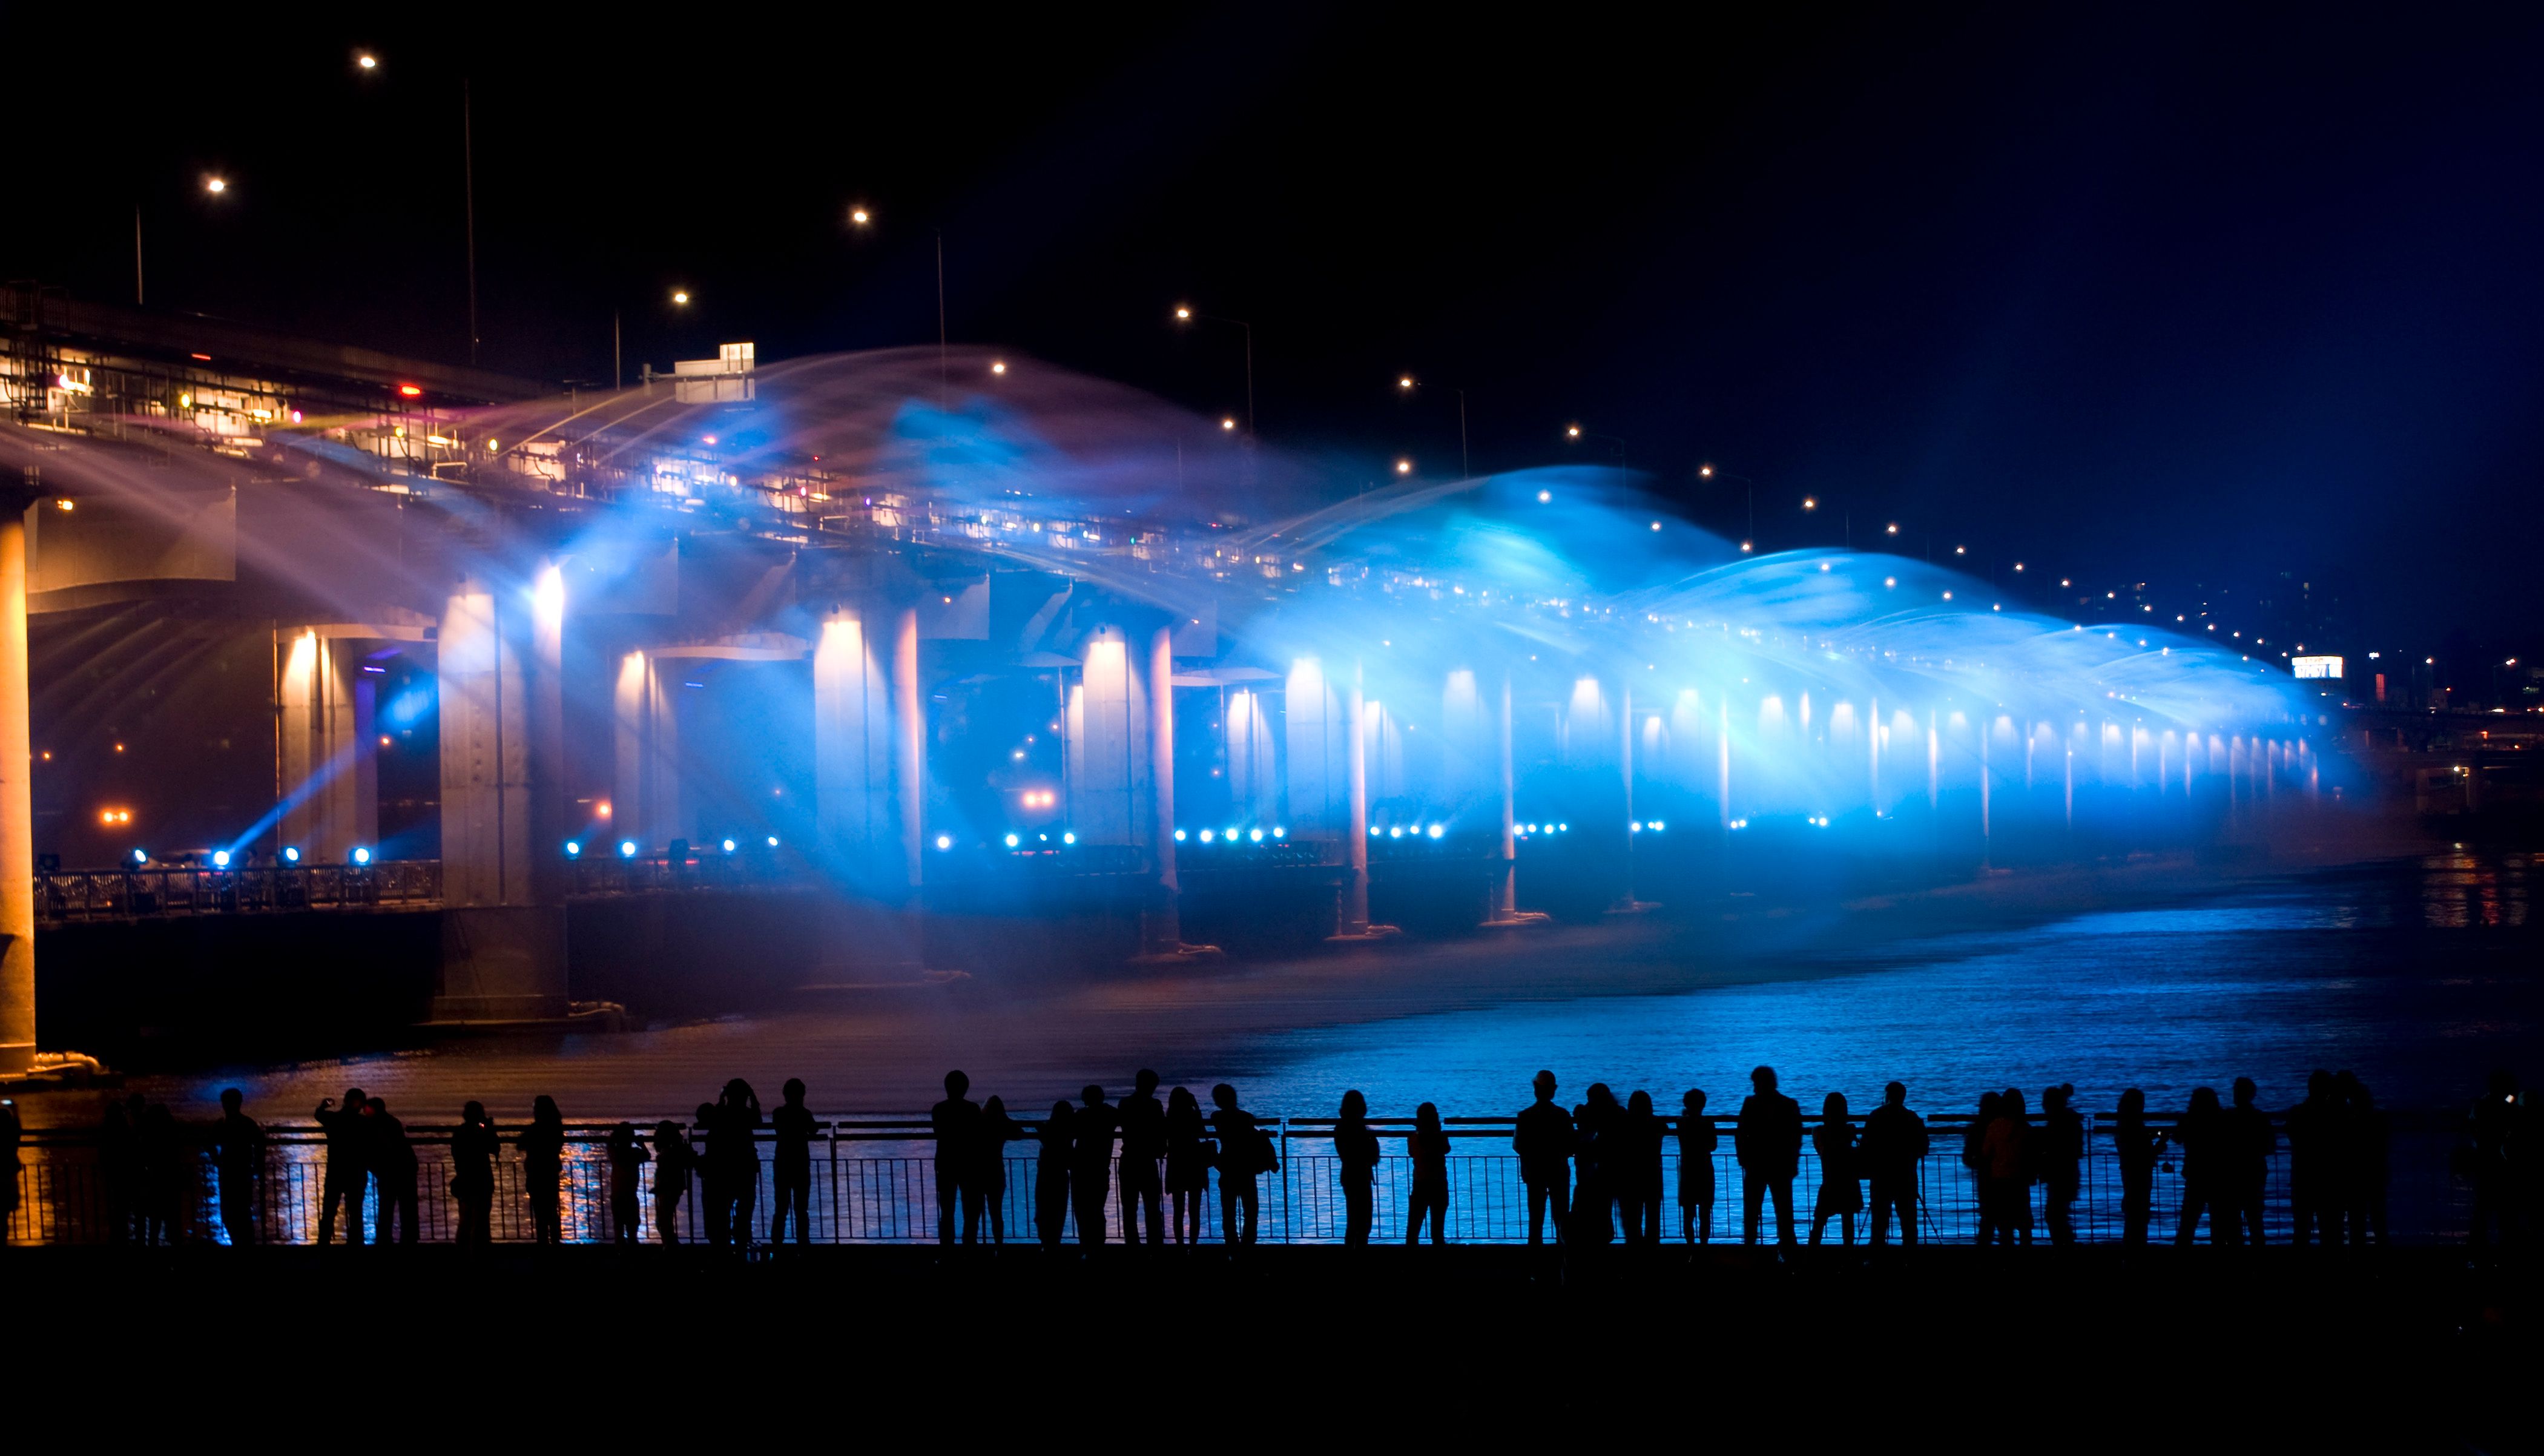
{"x":1493,"y":1347}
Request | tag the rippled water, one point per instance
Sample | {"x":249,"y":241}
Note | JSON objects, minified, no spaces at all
{"x":2420,"y":976}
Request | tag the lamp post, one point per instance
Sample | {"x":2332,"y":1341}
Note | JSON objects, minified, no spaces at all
{"x":1709,"y":472}
{"x":1407,"y":384}
{"x":1185,"y":314}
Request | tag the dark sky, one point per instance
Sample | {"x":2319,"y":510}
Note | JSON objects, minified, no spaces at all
{"x":2177,"y":296}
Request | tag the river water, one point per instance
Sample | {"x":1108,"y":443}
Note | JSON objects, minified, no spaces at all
{"x":2421,"y":975}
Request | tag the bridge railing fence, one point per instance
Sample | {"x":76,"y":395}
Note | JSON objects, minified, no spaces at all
{"x":153,"y":891}
{"x":874,"y":1181}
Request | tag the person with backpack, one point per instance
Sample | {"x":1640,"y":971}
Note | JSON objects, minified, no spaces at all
{"x":1246,"y":1153}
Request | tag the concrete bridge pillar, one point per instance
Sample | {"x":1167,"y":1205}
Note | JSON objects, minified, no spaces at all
{"x":855,"y":733}
{"x":1162,"y":927}
{"x":503,"y":942}
{"x":17,"y":806}
{"x":329,"y":759}
{"x":645,"y":790}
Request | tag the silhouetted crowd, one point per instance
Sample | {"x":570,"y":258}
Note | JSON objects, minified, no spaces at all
{"x":1595,"y":1173}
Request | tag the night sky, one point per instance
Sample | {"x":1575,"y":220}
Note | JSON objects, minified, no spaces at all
{"x":2169,"y":297}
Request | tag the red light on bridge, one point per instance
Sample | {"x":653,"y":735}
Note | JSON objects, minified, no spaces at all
{"x":411,"y":391}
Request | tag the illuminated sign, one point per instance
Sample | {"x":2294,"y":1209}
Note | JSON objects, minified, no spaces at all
{"x":2316,"y":667}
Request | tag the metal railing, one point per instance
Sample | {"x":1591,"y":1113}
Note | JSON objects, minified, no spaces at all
{"x":153,"y":891}
{"x":873,"y":1182}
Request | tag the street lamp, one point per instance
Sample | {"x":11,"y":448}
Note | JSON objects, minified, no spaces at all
{"x":1404,"y":467}
{"x":367,"y":62}
{"x":216,"y":185}
{"x":1409,"y":384}
{"x":1185,"y":314}
{"x":859,"y":217}
{"x":1708,"y":471}
{"x":680,"y":297}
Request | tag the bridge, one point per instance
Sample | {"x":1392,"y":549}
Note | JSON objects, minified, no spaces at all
{"x":960,"y":665}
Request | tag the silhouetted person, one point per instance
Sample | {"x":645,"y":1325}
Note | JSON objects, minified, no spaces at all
{"x":1428,"y":1147}
{"x":11,"y":1132}
{"x":1144,"y":1142}
{"x":2206,"y":1139}
{"x":167,"y":1177}
{"x":1974,"y":1158}
{"x":1544,"y":1143}
{"x":2254,"y":1142}
{"x":1594,"y":1195}
{"x":2316,"y":1142}
{"x":1767,"y":1140}
{"x":2365,"y":1164}
{"x":1356,"y":1156}
{"x":543,"y":1145}
{"x":238,"y":1158}
{"x":627,"y":1159}
{"x":472,"y":1175}
{"x":997,"y":1130}
{"x":1895,"y":1143}
{"x":1051,"y":1172}
{"x":1639,"y":1177}
{"x":957,"y":1124}
{"x":393,"y":1176}
{"x":733,"y":1147}
{"x":119,"y":1171}
{"x":1697,"y":1138}
{"x":2492,"y":1161}
{"x":794,"y":1127}
{"x":2057,"y":1151}
{"x":1841,"y":1194}
{"x":346,"y":1176}
{"x":2006,"y":1148}
{"x":1090,"y":1171}
{"x":1246,"y":1153}
{"x":675,"y":1163}
{"x":1188,"y":1152}
{"x":2134,"y":1147}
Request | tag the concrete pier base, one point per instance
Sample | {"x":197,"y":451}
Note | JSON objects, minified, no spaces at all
{"x":501,"y":963}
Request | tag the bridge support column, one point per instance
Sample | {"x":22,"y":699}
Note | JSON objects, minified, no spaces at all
{"x":1356,"y":830}
{"x":502,"y":925}
{"x":1506,"y":884}
{"x":645,"y":788}
{"x":17,"y":806}
{"x":329,"y":758}
{"x":854,"y":737}
{"x":1162,"y":926}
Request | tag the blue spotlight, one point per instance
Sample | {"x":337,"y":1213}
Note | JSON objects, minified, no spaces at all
{"x":1205,"y":836}
{"x":1394,"y":832}
{"x":1254,"y":835}
{"x":1229,"y":835}
{"x":291,"y":854}
{"x":361,"y":856}
{"x":728,"y":846}
{"x":626,"y":848}
{"x":1658,"y":826}
{"x":1437,"y":831}
{"x":1637,"y":827}
{"x":1179,"y":837}
{"x":1280,"y":833}
{"x":1069,"y":837}
{"x":945,"y":841}
{"x":1012,"y":842}
{"x":573,"y":850}
{"x":772,"y":842}
{"x":1563,"y":829}
{"x":220,"y":860}
{"x":140,"y":857}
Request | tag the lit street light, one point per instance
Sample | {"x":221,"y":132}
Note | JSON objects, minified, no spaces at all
{"x":1404,"y":467}
{"x":1184,"y":314}
{"x":681,"y":297}
{"x":366,"y":62}
{"x":216,"y":185}
{"x":1707,"y":471}
{"x":1409,"y":384}
{"x":859,"y":217}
